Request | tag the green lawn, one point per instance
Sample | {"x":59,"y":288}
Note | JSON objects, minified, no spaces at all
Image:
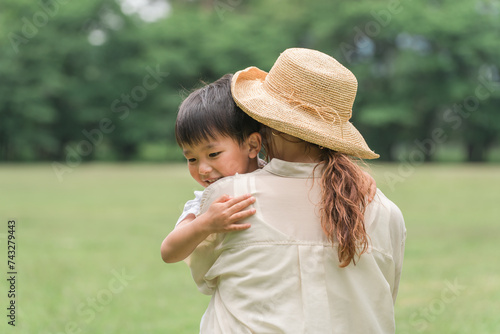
{"x":87,"y":252}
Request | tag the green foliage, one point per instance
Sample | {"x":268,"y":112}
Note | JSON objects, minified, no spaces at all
{"x":67,"y":66}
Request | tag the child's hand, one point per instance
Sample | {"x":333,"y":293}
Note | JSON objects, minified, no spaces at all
{"x":225,"y":212}
{"x":372,"y":186}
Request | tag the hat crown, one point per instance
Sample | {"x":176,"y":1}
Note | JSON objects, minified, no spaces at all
{"x":313,"y":80}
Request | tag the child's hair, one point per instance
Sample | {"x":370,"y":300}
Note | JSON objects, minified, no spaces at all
{"x":343,"y":203}
{"x":211,"y":111}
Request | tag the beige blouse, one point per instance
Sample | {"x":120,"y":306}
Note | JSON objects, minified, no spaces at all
{"x":282,"y":275}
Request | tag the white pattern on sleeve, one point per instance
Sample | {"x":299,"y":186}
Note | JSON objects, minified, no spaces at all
{"x":191,"y":206}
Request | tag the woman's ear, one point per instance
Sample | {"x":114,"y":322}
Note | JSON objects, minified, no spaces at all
{"x":254,"y":142}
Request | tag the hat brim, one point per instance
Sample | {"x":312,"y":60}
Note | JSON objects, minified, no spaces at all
{"x":250,"y":95}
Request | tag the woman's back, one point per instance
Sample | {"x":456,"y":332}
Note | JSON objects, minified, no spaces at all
{"x":282,"y":275}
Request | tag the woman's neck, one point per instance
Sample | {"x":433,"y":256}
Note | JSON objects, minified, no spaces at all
{"x":292,"y":149}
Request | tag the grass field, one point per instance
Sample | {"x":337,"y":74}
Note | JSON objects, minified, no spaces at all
{"x":87,"y":249}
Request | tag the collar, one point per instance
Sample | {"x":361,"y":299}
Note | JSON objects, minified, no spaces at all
{"x":293,"y":169}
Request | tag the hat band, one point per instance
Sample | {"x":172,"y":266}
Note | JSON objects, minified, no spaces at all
{"x":327,"y":114}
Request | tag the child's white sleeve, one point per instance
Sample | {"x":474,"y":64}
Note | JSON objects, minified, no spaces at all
{"x":191,"y":206}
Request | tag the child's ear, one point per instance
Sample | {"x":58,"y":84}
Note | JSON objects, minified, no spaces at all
{"x":254,"y":142}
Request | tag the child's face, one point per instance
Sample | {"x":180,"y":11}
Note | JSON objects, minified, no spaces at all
{"x":222,"y":156}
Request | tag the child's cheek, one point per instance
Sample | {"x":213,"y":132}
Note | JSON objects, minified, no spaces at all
{"x":232,"y":167}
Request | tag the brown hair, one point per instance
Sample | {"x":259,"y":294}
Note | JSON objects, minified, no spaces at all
{"x":342,"y":207}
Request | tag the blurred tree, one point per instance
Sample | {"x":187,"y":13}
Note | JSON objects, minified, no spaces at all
{"x":75,"y":78}
{"x":412,"y":61}
{"x":82,"y":81}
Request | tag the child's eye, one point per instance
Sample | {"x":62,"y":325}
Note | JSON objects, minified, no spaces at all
{"x":191,"y":160}
{"x":213,"y":155}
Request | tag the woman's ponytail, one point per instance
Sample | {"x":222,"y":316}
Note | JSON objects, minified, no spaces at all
{"x":343,"y":202}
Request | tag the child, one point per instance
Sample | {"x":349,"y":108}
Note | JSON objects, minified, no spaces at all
{"x":218,"y":139}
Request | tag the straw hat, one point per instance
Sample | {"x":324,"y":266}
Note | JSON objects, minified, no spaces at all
{"x":307,"y":94}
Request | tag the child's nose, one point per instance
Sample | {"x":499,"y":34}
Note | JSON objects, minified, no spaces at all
{"x":205,"y":169}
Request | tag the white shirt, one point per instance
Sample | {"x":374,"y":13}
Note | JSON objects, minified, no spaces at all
{"x":282,"y":275}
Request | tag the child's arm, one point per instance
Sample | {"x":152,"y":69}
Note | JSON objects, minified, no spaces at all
{"x":221,"y":216}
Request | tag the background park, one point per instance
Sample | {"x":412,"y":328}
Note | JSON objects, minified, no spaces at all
{"x":91,"y":174}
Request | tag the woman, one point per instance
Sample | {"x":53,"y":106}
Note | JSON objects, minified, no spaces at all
{"x":317,"y":258}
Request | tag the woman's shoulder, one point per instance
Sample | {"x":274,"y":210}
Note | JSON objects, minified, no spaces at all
{"x":225,"y":183}
{"x":226,"y":186}
{"x":385,"y":203}
{"x":384,"y":211}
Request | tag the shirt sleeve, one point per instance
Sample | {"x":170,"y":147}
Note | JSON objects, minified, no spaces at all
{"x":191,"y":207}
{"x":398,"y":245}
